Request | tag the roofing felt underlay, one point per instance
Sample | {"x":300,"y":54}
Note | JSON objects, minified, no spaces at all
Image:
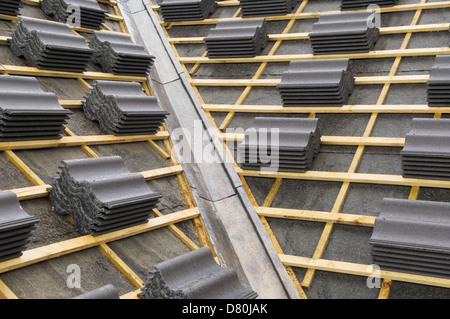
{"x":333,"y":184}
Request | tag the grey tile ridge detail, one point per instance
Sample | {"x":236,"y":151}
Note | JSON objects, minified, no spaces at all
{"x":216,"y":202}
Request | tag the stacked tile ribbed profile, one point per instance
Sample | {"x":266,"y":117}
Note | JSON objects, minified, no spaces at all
{"x":412,"y":236}
{"x":80,"y":13}
{"x":10,"y":7}
{"x":101,"y":195}
{"x":344,"y":33}
{"x":237,"y":38}
{"x":16,"y":226}
{"x":187,"y":10}
{"x":28,"y":113}
{"x":438,"y":85}
{"x":280,"y":144}
{"x":122,"y":108}
{"x":116,"y":53}
{"x":426,"y":153}
{"x":105,"y":292}
{"x":364,"y":4}
{"x":262,"y":8}
{"x":317,"y":83}
{"x":50,"y":45}
{"x":195,"y":275}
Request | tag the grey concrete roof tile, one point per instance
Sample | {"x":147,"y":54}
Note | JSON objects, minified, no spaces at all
{"x":253,"y":8}
{"x":419,"y":228}
{"x":438,"y":85}
{"x":344,"y":33}
{"x":292,"y":147}
{"x":105,"y":292}
{"x":194,"y":275}
{"x":43,"y":42}
{"x":116,"y":53}
{"x":363,"y":4}
{"x":426,"y":152}
{"x":102,"y":195}
{"x":10,"y":7}
{"x":312,"y":83}
{"x":187,"y":10}
{"x":123,"y":108}
{"x":240,"y":38}
{"x":16,"y":226}
{"x":29,"y":114}
{"x":91,"y":15}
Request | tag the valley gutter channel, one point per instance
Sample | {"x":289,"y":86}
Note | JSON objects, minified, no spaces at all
{"x":238,"y":236}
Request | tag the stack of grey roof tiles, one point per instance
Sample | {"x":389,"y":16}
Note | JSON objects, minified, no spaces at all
{"x":194,"y":275}
{"x":187,"y":10}
{"x":28,"y":113}
{"x":344,"y":33}
{"x":105,"y":292}
{"x":237,"y":38}
{"x":412,"y":236}
{"x":10,"y":7}
{"x":317,"y":83}
{"x":426,"y":153}
{"x":122,"y":108}
{"x":16,"y":226}
{"x":262,"y":8}
{"x":116,"y":53}
{"x":50,"y":45}
{"x":438,"y":85}
{"x":101,"y":195}
{"x":364,"y":4}
{"x":280,"y":144}
{"x":86,"y":13}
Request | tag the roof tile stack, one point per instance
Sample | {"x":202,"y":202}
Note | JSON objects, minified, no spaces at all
{"x":122,"y":108}
{"x":344,"y":33}
{"x":101,"y":195}
{"x":10,"y":7}
{"x":195,"y":275}
{"x":237,"y":38}
{"x":28,"y":113}
{"x":364,"y":4}
{"x":16,"y":227}
{"x":117,"y":54}
{"x":187,"y":10}
{"x":426,"y":153}
{"x":412,"y":236}
{"x":50,"y":45}
{"x":90,"y":14}
{"x":280,"y":144}
{"x":262,"y":8}
{"x":438,"y":85}
{"x":317,"y":83}
{"x":106,"y":292}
